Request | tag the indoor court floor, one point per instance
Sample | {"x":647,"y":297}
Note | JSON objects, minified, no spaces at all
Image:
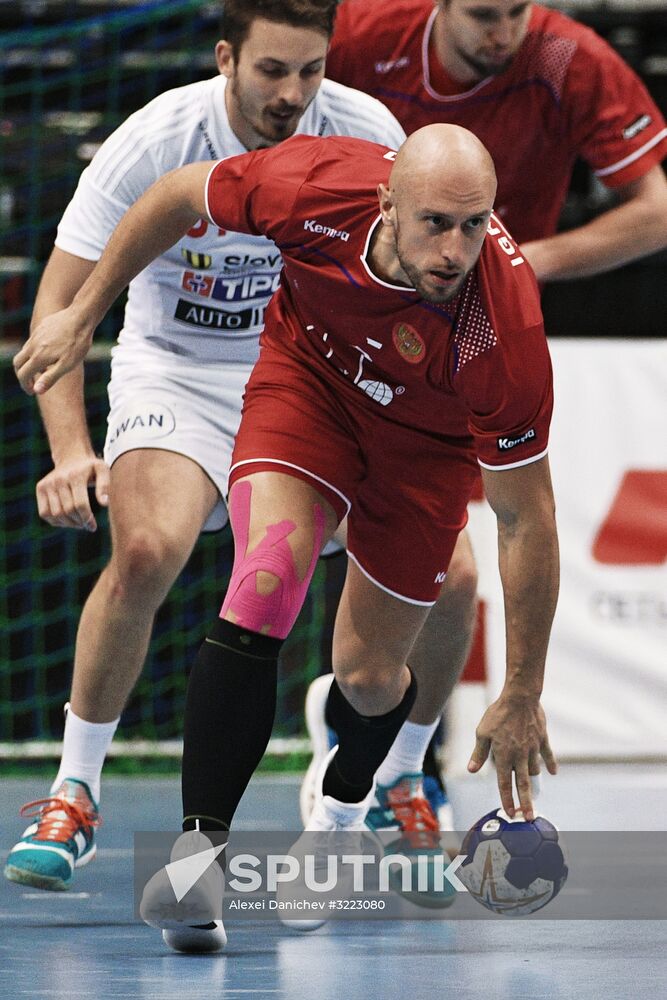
{"x":86,"y":942}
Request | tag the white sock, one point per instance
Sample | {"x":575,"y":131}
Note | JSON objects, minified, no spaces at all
{"x":407,"y":752}
{"x":85,"y":746}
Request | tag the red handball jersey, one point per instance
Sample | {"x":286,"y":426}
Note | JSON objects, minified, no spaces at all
{"x":477,"y":365}
{"x":567,"y":94}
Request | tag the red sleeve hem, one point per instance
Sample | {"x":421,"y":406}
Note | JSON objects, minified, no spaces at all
{"x":638,"y":167}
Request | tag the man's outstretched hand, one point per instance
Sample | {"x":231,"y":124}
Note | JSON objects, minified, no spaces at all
{"x":514,"y":730}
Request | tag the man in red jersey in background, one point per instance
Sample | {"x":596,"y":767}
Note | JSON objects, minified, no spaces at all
{"x":540,"y":91}
{"x":404,"y":346}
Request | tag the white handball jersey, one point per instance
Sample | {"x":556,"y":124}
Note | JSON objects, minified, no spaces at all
{"x":205,"y":297}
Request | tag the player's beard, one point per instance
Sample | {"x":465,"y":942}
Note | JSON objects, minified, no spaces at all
{"x":483,"y":68}
{"x":265,"y":125}
{"x":430,"y":293}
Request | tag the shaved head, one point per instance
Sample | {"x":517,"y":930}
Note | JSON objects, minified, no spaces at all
{"x":443,"y":156}
{"x":435,"y":210}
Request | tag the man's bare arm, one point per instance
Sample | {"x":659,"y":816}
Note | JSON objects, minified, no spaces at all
{"x":635,"y":228}
{"x":514,"y":727}
{"x":153,"y":224}
{"x":62,"y":495}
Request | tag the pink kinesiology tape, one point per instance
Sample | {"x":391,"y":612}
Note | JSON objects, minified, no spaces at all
{"x":274,"y":613}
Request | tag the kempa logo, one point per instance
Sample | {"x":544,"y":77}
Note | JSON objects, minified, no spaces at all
{"x":637,"y":126}
{"x":315,"y":227}
{"x":506,"y":444}
{"x":389,"y":64}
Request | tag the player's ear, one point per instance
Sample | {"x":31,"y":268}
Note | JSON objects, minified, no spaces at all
{"x":386,"y":205}
{"x":224,"y":58}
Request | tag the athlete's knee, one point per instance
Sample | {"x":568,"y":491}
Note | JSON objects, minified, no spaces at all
{"x":145,"y":564}
{"x":364,"y":678}
{"x":266,"y":591}
{"x":372,"y":692}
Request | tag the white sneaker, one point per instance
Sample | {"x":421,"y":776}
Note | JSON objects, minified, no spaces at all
{"x":321,"y":738}
{"x":189,"y":923}
{"x":328,"y":817}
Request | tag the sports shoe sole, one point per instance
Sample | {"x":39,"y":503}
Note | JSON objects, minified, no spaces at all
{"x":24,"y":876}
{"x":196,"y":940}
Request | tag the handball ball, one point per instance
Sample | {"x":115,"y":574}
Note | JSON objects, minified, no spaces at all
{"x":512,"y":866}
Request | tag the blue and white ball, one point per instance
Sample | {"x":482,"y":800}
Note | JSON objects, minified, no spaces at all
{"x":513,"y":866}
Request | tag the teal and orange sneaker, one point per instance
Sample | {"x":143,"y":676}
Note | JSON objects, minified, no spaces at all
{"x":403,"y":809}
{"x":61,"y":839}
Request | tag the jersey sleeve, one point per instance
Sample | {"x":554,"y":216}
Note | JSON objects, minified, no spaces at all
{"x":89,"y":220}
{"x":255,"y":192}
{"x":614,"y":123}
{"x":123,"y":168}
{"x":502,"y":369}
{"x":511,"y":401}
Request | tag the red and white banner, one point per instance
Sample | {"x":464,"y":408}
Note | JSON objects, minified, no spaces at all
{"x":606,"y":688}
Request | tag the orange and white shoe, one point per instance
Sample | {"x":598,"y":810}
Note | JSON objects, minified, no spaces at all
{"x":61,"y":839}
{"x":404,"y":809}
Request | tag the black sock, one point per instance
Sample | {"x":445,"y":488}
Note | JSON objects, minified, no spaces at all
{"x":363,"y":743}
{"x":229,"y":710}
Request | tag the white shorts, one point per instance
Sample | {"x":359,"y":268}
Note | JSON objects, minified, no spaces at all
{"x":158,"y":400}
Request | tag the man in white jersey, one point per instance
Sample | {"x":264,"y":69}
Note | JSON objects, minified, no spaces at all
{"x":188,"y":344}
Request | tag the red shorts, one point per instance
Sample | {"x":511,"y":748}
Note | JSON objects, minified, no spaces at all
{"x":406,"y":490}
